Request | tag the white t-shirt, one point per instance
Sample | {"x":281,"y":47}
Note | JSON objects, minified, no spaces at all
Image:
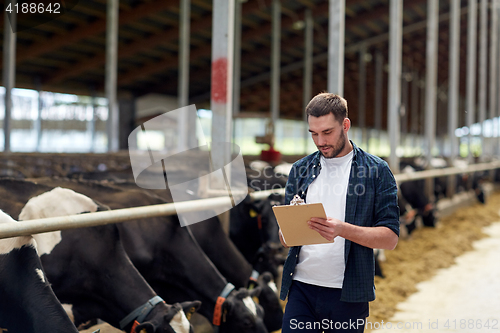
{"x":324,"y":264}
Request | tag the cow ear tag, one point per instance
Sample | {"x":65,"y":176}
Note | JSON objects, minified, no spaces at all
{"x":190,"y":313}
{"x":253,"y":213}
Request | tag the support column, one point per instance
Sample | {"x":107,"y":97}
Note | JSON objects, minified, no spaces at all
{"x":454,"y":77}
{"x":431,"y":76}
{"x":395,"y":55}
{"x":237,"y":59}
{"x":111,"y":74}
{"x":93,"y":120}
{"x":497,"y":4}
{"x":483,"y":64}
{"x":471,"y":71}
{"x":421,"y":124}
{"x":404,"y":108}
{"x":414,"y":107}
{"x":276,"y":61}
{"x":336,"y":35}
{"x":183,"y":129}
{"x":38,"y":121}
{"x":222,"y":71}
{"x":494,"y":54}
{"x":9,"y":69}
{"x":362,"y":95}
{"x":431,"y":87}
{"x":308,"y":69}
{"x":453,"y":87}
{"x":221,"y":100}
{"x":379,"y":90}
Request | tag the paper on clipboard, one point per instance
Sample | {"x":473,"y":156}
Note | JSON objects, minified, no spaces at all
{"x":293,"y":223}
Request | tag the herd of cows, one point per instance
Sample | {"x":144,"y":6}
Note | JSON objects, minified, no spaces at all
{"x":147,"y":275}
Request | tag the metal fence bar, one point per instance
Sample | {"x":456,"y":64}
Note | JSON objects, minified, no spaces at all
{"x":121,"y":215}
{"x":111,"y":216}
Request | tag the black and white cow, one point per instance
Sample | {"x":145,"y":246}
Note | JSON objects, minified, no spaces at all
{"x":173,"y":263}
{"x":236,"y":269}
{"x":89,"y":269}
{"x":27,"y":302}
{"x":254,"y":231}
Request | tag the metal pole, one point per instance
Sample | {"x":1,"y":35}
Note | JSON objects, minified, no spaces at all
{"x":497,"y":4}
{"x":454,"y":77}
{"x":111,"y":73}
{"x":404,"y":109}
{"x":276,"y":61}
{"x":422,"y":113}
{"x":395,"y":55}
{"x":414,"y":106}
{"x":92,"y":122}
{"x":222,"y":92}
{"x":453,"y":86}
{"x":38,"y":121}
{"x":362,"y":95}
{"x":493,"y":62}
{"x":471,"y":71}
{"x":308,"y":69}
{"x":483,"y":64}
{"x":237,"y":58}
{"x":184,"y":43}
{"x":431,"y":76}
{"x":9,"y":69}
{"x":336,"y":36}
{"x":379,"y":90}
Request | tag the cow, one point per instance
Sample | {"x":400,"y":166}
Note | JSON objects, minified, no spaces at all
{"x":223,"y":253}
{"x":172,"y":262}
{"x":225,"y":256}
{"x":97,"y":281}
{"x":254,"y":231}
{"x":27,"y":302}
{"x":254,"y":228}
{"x":413,"y":193}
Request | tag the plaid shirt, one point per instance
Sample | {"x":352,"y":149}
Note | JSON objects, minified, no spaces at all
{"x":371,"y":202}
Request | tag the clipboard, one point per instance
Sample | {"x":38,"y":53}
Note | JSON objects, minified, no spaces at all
{"x":292,"y":220}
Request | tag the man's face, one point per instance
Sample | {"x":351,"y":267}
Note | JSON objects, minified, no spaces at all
{"x":328,"y":134}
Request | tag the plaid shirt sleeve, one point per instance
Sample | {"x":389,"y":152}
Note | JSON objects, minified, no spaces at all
{"x":386,"y":209}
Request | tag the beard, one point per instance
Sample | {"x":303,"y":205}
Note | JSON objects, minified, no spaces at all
{"x":336,"y":149}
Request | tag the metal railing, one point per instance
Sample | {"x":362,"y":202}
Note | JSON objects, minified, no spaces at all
{"x":121,"y":215}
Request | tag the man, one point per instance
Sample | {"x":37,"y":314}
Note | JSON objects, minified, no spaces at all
{"x":329,"y":285}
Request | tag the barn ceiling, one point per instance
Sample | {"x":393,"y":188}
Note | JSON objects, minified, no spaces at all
{"x":68,"y":54}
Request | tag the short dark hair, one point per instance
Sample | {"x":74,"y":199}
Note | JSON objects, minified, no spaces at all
{"x":325,"y":103}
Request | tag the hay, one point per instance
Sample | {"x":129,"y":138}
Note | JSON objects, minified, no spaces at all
{"x":417,"y":258}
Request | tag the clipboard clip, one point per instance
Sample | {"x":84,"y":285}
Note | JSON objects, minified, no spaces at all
{"x":297,"y":200}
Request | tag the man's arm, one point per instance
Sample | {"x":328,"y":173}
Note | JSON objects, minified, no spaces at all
{"x":372,"y":237}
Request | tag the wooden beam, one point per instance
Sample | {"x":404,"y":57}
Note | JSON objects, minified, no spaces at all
{"x":94,"y":28}
{"x":286,"y":23}
{"x":141,"y":44}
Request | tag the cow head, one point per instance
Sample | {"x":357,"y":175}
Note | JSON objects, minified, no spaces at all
{"x":241,"y":314}
{"x":269,"y":300}
{"x":268,"y":258}
{"x":175,"y":321}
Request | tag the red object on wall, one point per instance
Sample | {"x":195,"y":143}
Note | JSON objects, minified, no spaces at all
{"x":271,"y":155}
{"x":219,"y":80}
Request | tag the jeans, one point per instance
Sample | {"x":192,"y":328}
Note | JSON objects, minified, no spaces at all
{"x":318,"y":309}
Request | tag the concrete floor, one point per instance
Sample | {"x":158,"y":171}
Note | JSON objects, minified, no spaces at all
{"x":462,"y":298}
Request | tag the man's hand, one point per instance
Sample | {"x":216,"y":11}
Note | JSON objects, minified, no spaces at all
{"x":329,"y":228}
{"x":372,"y":237}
